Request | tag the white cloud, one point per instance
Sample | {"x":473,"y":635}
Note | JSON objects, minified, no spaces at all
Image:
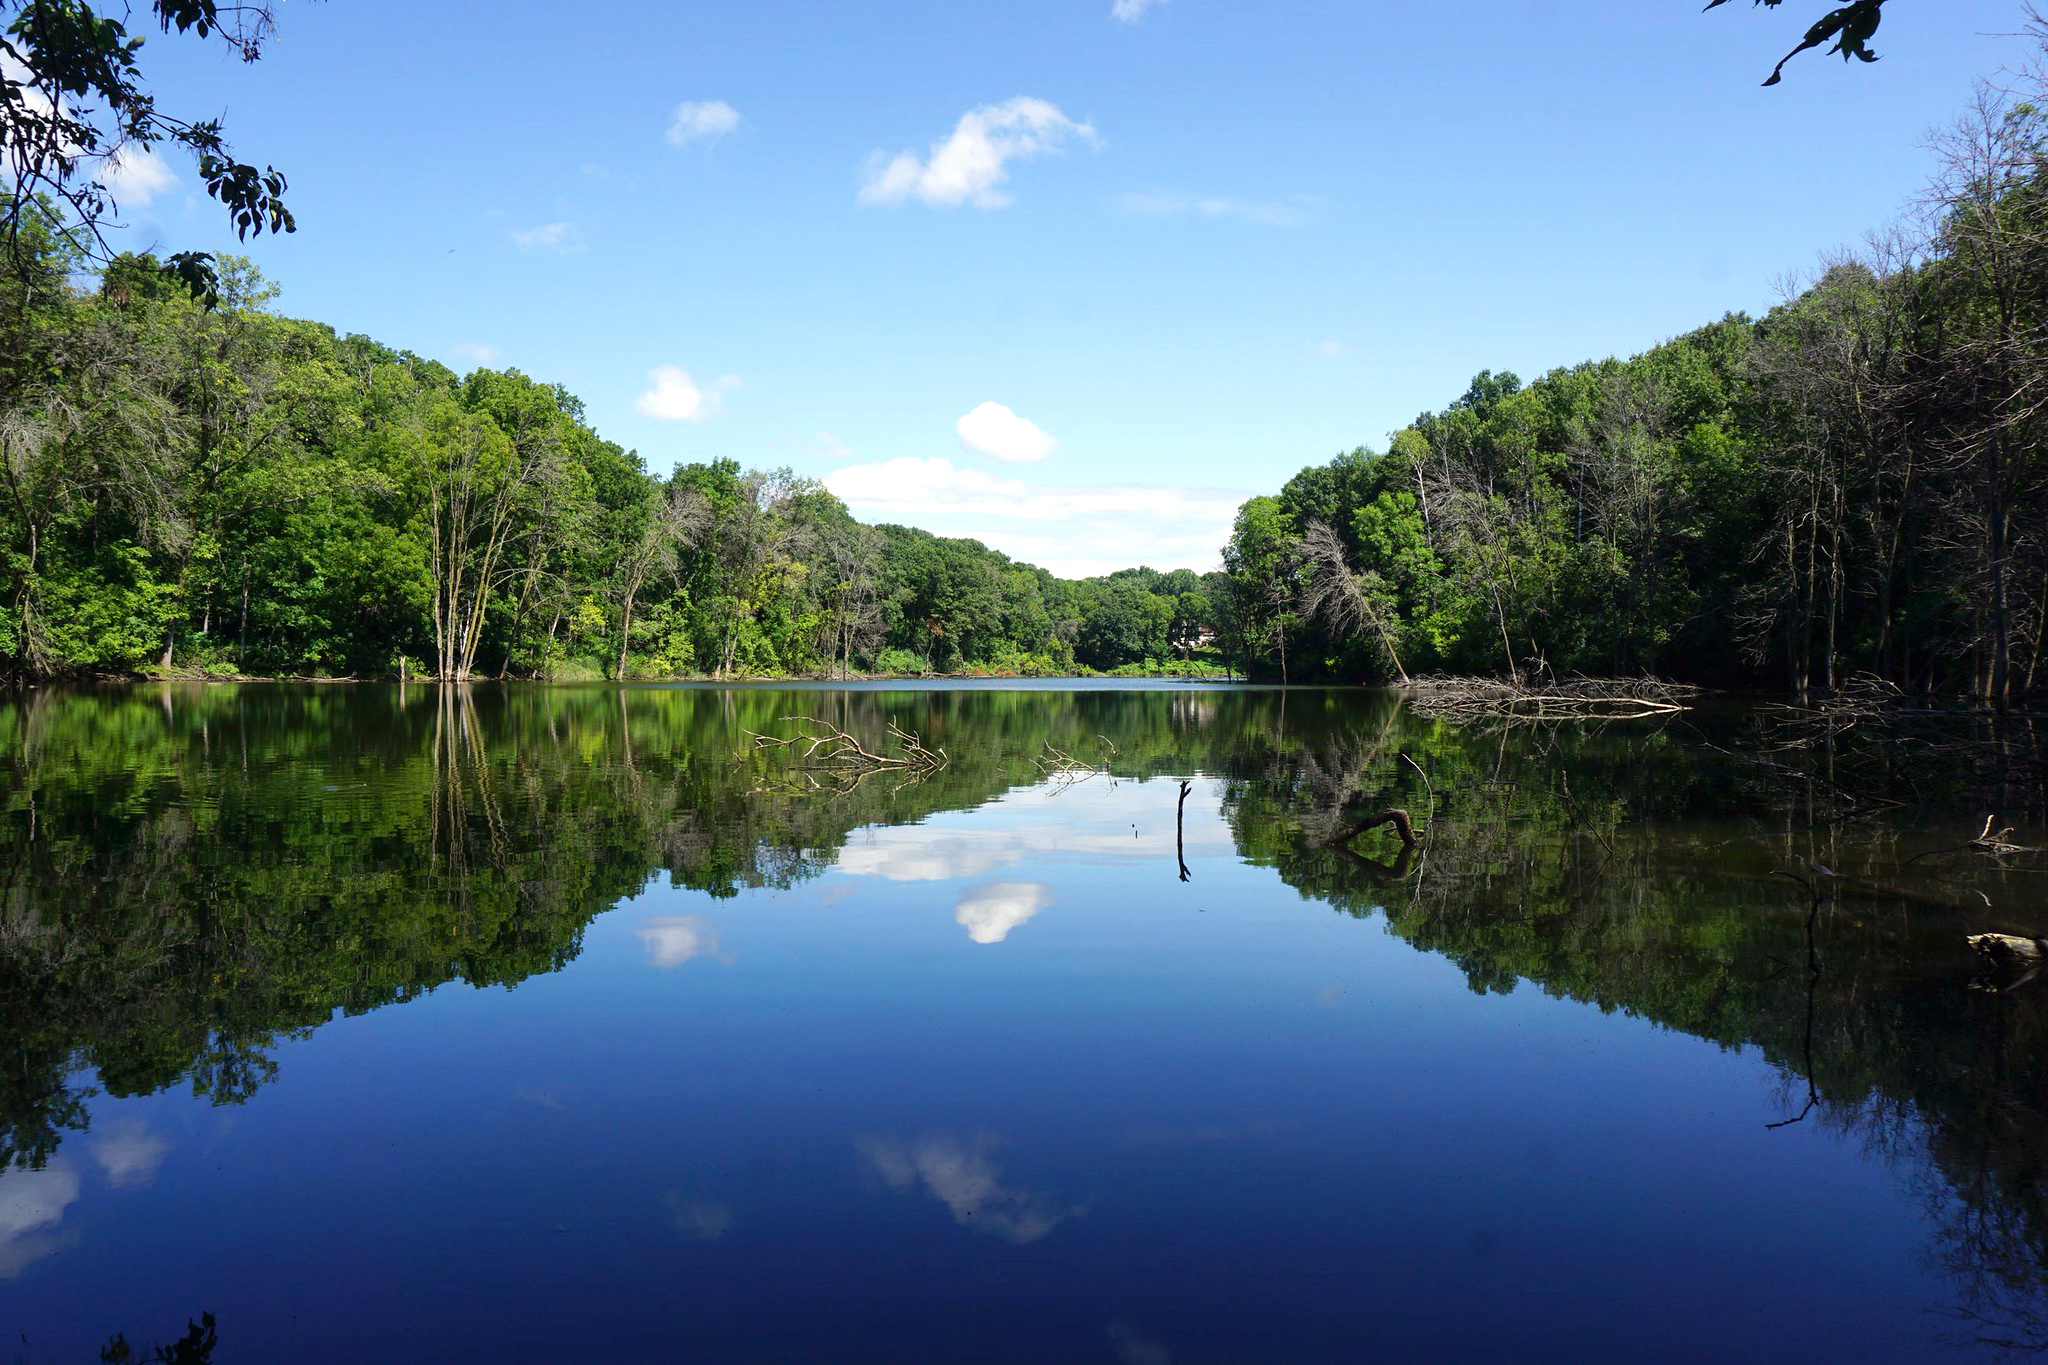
{"x":137,"y":175}
{"x":672,"y":940}
{"x":695,"y":1219}
{"x":701,"y":121}
{"x":1072,"y":530}
{"x":476,"y":353}
{"x":564,"y":239}
{"x":989,"y":913}
{"x":995,"y":431}
{"x":129,"y":1153}
{"x":1333,"y":349}
{"x":675,"y":397}
{"x":32,"y":1203}
{"x":1131,"y":11}
{"x":1030,"y":833}
{"x":832,"y":448}
{"x":960,"y":1175}
{"x":1266,"y":213}
{"x":971,"y":165}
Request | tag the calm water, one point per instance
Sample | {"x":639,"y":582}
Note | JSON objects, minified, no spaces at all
{"x":560,"y":1025}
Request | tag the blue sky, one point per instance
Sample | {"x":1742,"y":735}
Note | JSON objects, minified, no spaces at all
{"x":1155,"y":256}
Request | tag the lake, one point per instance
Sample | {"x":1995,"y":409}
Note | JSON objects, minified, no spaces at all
{"x":578,"y":1024}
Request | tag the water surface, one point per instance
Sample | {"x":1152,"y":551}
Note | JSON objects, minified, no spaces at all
{"x":564,"y":1024}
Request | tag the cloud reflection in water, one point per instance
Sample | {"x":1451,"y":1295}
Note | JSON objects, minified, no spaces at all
{"x":673,"y":940}
{"x":988,"y":913}
{"x":960,"y":1175}
{"x":32,"y":1204}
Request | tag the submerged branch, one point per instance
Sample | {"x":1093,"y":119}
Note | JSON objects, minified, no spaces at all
{"x":1444,"y":698}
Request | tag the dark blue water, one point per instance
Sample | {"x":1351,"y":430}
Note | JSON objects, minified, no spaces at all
{"x":554,"y":1029}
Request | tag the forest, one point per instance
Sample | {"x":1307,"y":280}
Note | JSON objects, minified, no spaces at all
{"x":1846,"y":491}
{"x":223,"y":490}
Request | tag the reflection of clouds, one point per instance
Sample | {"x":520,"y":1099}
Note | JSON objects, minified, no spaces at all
{"x":1133,"y":1347}
{"x":1037,"y":830}
{"x":32,"y":1203}
{"x":989,"y":913}
{"x":962,"y":1177}
{"x":129,"y":1153}
{"x":696,"y":1219}
{"x":673,"y":940}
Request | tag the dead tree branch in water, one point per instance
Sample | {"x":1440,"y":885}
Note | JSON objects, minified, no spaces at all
{"x":1180,"y":820}
{"x":1395,"y":816}
{"x":827,"y":748}
{"x":1458,"y":699}
{"x":1066,"y":771}
{"x":1996,"y":844}
{"x":1814,"y":892}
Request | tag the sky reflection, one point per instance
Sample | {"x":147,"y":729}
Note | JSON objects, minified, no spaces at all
{"x":959,"y":1174}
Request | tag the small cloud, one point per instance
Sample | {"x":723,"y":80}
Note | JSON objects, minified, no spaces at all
{"x":1075,"y":531}
{"x":1131,"y":11}
{"x":999,"y":433}
{"x":595,"y":171}
{"x":971,"y":165}
{"x":697,"y":1220}
{"x":564,"y":239}
{"x":960,"y":1175}
{"x":136,"y":175}
{"x":675,"y":397}
{"x":701,"y":121}
{"x":832,"y":448}
{"x":32,"y":1204}
{"x":1291,"y":212}
{"x":476,"y":353}
{"x":989,"y":913}
{"x":1134,"y":1347}
{"x":673,"y":940}
{"x":538,"y":1097}
{"x":130,"y":1154}
{"x":1332,"y":349}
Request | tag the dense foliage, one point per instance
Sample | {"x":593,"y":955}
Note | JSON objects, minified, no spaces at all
{"x":1853,"y":483}
{"x":231,"y":491}
{"x":75,"y":111}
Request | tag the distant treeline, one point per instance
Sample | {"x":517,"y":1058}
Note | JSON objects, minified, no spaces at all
{"x":231,"y":491}
{"x":1854,"y":484}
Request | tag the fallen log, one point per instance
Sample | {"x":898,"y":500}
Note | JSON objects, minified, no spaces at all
{"x":1998,"y":844}
{"x":2008,"y":949}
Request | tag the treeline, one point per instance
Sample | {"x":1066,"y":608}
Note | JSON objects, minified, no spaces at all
{"x":227,"y":490}
{"x":1853,"y":484}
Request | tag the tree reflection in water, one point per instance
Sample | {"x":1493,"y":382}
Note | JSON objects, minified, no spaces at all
{"x":196,"y":874}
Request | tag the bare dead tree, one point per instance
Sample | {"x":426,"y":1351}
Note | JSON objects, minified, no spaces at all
{"x":1340,"y":596}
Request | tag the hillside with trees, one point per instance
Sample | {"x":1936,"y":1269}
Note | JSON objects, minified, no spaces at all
{"x":225,"y":490}
{"x":1852,"y":484}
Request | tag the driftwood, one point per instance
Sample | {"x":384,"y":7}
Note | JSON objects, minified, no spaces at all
{"x":1396,"y":817}
{"x":1559,"y":700}
{"x":2006,"y":949}
{"x":1066,"y":771}
{"x":1998,"y":844}
{"x":2010,"y":962}
{"x":1995,"y":843}
{"x":823,"y":747}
